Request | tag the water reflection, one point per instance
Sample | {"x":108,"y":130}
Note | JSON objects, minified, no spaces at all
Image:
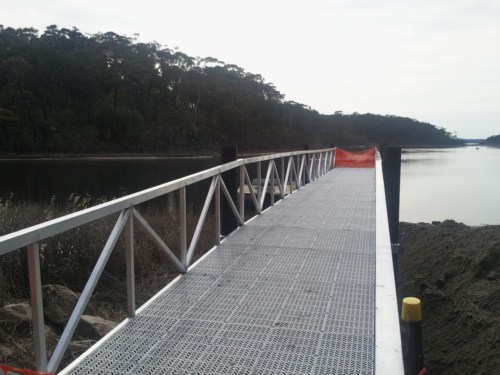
{"x":38,"y":181}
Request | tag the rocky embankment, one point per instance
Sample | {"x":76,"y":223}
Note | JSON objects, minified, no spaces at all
{"x":16,"y":343}
{"x":455,"y":270}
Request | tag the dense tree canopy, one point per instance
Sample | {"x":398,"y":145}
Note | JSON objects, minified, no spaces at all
{"x":63,"y":91}
{"x":494,"y":140}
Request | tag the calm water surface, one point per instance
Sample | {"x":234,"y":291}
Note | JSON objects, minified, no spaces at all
{"x":462,"y":184}
{"x":39,"y":180}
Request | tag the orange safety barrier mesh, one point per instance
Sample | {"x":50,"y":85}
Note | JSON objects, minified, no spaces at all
{"x":9,"y":370}
{"x":355,"y":159}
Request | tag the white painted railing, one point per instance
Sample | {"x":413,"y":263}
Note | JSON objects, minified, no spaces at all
{"x":294,"y":171}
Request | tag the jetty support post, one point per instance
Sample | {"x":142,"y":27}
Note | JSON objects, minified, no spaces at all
{"x":391,"y":168}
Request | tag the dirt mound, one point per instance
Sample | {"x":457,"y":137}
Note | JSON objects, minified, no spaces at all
{"x":455,"y":270}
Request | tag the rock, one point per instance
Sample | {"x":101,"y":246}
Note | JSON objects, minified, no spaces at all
{"x":94,"y":327}
{"x":15,"y":318}
{"x":58,"y":303}
{"x":18,"y":312}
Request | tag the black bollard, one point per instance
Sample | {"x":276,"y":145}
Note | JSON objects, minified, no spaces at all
{"x":412,"y":315}
{"x":228,"y":220}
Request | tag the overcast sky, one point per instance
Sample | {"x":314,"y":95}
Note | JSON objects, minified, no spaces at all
{"x":437,"y":61}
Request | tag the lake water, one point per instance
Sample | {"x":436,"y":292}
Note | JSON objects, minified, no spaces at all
{"x":40,"y":180}
{"x":462,"y":184}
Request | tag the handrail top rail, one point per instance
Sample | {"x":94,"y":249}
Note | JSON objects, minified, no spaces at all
{"x":38,"y":232}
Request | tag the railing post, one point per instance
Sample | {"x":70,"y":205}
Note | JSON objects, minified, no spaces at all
{"x":272,"y":182}
{"x":282,"y":176}
{"x":129,"y":260}
{"x":217,"y":212}
{"x":183,"y":225}
{"x":259,"y":181}
{"x":302,"y":170}
{"x":323,"y":156}
{"x":312,"y":161}
{"x":241,"y":196}
{"x":307,"y":176}
{"x":294,"y":171}
{"x":287,"y":178}
{"x":35,"y":279}
{"x":296,"y":165}
{"x":228,"y":221}
{"x":320,"y":160}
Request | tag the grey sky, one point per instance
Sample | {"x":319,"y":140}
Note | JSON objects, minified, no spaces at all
{"x":434,"y":60}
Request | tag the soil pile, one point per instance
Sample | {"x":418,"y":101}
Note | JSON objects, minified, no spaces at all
{"x":455,"y":270}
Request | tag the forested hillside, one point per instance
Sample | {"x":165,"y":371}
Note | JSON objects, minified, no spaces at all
{"x":62,"y":91}
{"x":494,"y":140}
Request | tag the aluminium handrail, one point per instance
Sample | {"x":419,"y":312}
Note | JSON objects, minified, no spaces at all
{"x":305,"y":166}
{"x":53,"y":227}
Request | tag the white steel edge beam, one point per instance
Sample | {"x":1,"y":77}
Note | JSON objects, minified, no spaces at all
{"x":388,"y":350}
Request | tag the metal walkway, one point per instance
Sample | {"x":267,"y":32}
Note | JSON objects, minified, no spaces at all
{"x":291,"y":292}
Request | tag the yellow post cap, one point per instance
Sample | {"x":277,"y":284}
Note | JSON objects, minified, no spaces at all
{"x":412,"y":310}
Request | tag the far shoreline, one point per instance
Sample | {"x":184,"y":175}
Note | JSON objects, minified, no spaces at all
{"x":204,"y":154}
{"x":109,"y":156}
{"x":447,"y":221}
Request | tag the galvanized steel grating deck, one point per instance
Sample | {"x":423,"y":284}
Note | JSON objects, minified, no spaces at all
{"x":291,"y":292}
